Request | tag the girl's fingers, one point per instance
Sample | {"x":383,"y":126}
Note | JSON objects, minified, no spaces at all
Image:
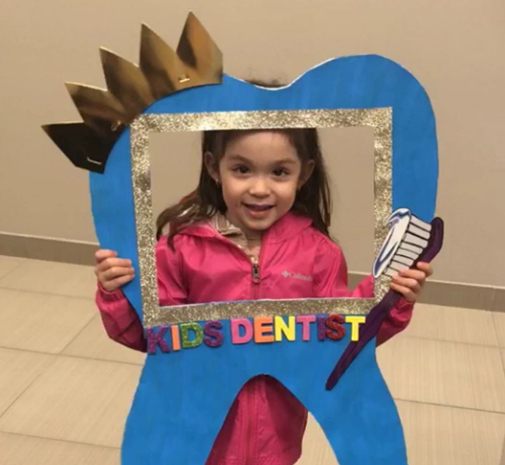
{"x":102,"y":254}
{"x":409,"y":283}
{"x":418,"y":275}
{"x":426,"y":268}
{"x":116,"y":283}
{"x":115,"y":272}
{"x":108,"y":263}
{"x":406,"y":292}
{"x":111,"y":271}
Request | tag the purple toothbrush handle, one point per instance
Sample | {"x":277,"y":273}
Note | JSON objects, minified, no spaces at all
{"x":378,"y":313}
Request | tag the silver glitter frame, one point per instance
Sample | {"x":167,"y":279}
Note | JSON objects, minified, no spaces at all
{"x":380,"y":119}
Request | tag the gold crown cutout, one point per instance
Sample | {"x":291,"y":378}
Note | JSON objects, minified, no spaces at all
{"x":131,"y":88}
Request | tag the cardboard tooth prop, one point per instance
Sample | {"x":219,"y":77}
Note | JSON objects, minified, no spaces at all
{"x":190,"y":379}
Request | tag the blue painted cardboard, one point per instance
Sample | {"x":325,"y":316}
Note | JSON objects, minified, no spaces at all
{"x":183,"y":397}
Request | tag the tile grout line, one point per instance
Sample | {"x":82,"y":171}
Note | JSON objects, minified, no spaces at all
{"x":29,"y":291}
{"x":59,"y":440}
{"x":57,"y":356}
{"x":487,"y":306}
{"x":118,"y":448}
{"x":423,"y":338}
{"x":498,"y":348}
{"x":90,"y":299}
{"x":77,"y":334}
{"x":492,"y":299}
{"x":461,"y":407}
{"x":10,"y":271}
{"x":501,"y":349}
{"x":83,"y":357}
{"x":29,"y":385}
{"x":80,"y":357}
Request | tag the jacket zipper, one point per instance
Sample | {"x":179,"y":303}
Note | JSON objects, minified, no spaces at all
{"x":256,"y":276}
{"x":255,"y":272}
{"x":251,"y":425}
{"x":255,"y":268}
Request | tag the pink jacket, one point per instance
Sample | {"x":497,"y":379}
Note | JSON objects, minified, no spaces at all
{"x":265,"y":425}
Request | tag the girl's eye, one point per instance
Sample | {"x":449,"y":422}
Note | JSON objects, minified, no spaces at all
{"x":280,"y":172}
{"x":240,"y":169}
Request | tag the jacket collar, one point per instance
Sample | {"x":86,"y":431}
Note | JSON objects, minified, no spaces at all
{"x":224,"y":227}
{"x":290,"y":225}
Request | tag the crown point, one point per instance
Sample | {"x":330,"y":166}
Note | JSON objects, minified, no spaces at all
{"x":131,"y":88}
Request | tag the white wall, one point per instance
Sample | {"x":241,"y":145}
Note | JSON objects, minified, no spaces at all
{"x":455,"y":48}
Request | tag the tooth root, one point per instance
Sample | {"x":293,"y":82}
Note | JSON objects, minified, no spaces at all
{"x":160,"y":64}
{"x":127,"y":83}
{"x":199,"y":52}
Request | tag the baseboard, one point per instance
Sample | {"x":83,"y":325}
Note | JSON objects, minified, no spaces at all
{"x":82,"y":253}
{"x":51,"y":249}
{"x":454,"y":294}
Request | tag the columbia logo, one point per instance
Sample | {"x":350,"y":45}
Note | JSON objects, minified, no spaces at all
{"x":303,"y":277}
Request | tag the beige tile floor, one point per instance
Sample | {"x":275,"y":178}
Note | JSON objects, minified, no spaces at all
{"x":65,"y":389}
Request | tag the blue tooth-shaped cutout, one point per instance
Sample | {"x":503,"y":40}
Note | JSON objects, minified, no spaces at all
{"x":183,"y":398}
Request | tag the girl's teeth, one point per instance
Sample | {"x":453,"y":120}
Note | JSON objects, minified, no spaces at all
{"x":259,"y":207}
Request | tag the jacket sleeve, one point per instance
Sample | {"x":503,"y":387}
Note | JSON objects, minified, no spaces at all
{"x":120,"y":319}
{"x":330,"y":280}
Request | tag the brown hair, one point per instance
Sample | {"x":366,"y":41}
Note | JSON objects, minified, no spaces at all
{"x":312,"y":200}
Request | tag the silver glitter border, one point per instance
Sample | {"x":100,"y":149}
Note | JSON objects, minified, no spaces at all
{"x":380,"y":119}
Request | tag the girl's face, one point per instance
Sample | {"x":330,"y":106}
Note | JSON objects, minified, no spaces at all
{"x":260,"y":173}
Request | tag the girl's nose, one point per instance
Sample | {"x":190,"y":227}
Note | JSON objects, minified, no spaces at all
{"x":259,"y":187}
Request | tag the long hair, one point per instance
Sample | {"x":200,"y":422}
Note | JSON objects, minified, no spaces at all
{"x":312,"y":200}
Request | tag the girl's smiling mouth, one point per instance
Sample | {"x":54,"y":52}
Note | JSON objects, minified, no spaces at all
{"x":254,"y":207}
{"x":257,"y":211}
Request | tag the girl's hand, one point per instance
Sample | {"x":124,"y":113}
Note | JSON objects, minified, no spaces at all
{"x":112,"y":272}
{"x":410,"y":282}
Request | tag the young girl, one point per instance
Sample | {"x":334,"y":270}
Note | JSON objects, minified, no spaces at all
{"x":256,"y":227}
